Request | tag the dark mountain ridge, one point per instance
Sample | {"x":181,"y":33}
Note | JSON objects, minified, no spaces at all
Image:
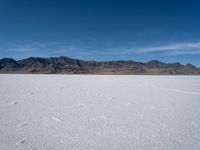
{"x":66,"y":65}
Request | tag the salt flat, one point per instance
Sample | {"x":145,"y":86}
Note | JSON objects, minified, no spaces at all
{"x":71,"y":112}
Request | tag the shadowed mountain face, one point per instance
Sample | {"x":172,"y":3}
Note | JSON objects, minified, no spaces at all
{"x":65,"y":65}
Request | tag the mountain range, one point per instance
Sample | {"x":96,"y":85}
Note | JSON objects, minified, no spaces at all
{"x":66,"y":65}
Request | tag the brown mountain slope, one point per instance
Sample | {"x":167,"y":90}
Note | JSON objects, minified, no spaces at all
{"x":66,"y":65}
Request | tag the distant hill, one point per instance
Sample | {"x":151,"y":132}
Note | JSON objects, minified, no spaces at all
{"x":66,"y":65}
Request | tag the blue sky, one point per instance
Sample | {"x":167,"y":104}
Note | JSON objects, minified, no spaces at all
{"x":140,"y":30}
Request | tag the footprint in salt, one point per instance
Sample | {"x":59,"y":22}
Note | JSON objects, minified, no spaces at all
{"x":3,"y":92}
{"x":110,"y":98}
{"x":20,"y":142}
{"x":127,"y":104}
{"x":152,"y":107}
{"x":31,"y":93}
{"x":61,"y":88}
{"x":98,"y":94}
{"x":198,"y":141}
{"x":102,"y":117}
{"x":56,"y":119}
{"x":80,"y":105}
{"x":14,"y":103}
{"x":23,"y":124}
{"x":86,"y":90}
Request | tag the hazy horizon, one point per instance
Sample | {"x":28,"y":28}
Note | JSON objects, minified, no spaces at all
{"x":103,"y":60}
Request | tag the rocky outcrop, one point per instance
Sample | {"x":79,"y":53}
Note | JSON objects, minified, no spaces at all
{"x":66,"y":65}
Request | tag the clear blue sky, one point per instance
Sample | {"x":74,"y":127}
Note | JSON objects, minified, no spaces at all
{"x":141,"y":30}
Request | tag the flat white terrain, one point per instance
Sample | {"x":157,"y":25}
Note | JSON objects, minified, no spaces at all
{"x":99,"y":112}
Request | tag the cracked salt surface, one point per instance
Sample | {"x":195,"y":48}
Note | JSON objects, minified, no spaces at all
{"x":58,"y":112}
